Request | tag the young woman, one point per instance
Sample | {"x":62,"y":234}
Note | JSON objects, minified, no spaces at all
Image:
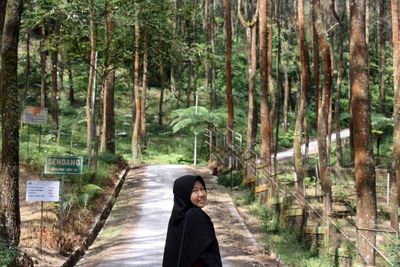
{"x":191,"y":239}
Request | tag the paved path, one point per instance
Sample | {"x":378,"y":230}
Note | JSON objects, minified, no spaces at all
{"x":134,"y":234}
{"x":312,"y":146}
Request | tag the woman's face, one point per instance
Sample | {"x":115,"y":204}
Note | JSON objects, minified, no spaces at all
{"x":199,"y":195}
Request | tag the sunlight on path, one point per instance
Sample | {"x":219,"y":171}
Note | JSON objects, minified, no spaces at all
{"x":135,"y":232}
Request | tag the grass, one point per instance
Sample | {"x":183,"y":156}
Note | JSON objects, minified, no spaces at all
{"x":284,"y":242}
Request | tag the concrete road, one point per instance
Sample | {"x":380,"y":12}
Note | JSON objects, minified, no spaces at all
{"x":134,"y":234}
{"x":135,"y":231}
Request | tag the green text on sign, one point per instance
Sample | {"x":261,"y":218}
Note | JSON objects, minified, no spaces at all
{"x":63,"y":165}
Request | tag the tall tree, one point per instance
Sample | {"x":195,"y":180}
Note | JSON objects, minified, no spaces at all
{"x":228,"y":70}
{"x":251,"y":51}
{"x":396,"y":108}
{"x":55,"y":38}
{"x":381,"y":42}
{"x":43,"y":60}
{"x":136,"y":67}
{"x":212,"y":56}
{"x":323,"y":108}
{"x":108,"y":137}
{"x":91,"y":81}
{"x":161,"y":102}
{"x":361,"y":118}
{"x":270,"y":79}
{"x":9,"y":174}
{"x":3,"y":4}
{"x":340,"y":71}
{"x":144,"y":90}
{"x":305,"y":83}
{"x":207,"y":31}
{"x":265,"y":128}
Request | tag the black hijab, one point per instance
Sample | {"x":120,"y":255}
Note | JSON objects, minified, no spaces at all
{"x":193,"y":225}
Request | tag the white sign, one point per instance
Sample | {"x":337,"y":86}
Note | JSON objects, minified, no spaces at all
{"x":34,"y":115}
{"x":42,"y":191}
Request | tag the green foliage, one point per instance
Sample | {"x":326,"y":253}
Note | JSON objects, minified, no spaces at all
{"x":230,"y":179}
{"x":89,"y":192}
{"x":244,"y":197}
{"x":381,"y":124}
{"x":393,"y":249}
{"x":8,"y":256}
{"x":187,"y":119}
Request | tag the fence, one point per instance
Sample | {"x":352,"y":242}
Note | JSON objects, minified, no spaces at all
{"x":303,"y":208}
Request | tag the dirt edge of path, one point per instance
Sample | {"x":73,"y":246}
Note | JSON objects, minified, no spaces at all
{"x":98,"y":225}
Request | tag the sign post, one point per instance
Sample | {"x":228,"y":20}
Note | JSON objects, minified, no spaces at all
{"x":36,"y":116}
{"x":63,"y":165}
{"x":42,"y":191}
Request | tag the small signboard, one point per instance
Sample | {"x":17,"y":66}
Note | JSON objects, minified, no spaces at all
{"x":63,"y":165}
{"x":42,"y":191}
{"x":34,"y":115}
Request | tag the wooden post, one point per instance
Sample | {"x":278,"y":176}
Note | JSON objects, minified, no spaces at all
{"x":41,"y":227}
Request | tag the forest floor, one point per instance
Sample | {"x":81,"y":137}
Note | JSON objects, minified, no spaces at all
{"x":232,"y":228}
{"x":40,"y":227}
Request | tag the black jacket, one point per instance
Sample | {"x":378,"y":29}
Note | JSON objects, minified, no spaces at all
{"x":191,"y":237}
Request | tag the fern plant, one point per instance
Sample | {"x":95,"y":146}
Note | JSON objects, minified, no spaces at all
{"x":187,"y":119}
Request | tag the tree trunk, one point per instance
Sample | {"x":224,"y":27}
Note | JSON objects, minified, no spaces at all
{"x":251,"y":47}
{"x":363,"y":150}
{"x":340,"y":71}
{"x":212,"y":56}
{"x":207,"y":31}
{"x":270,"y":79}
{"x":305,"y":83}
{"x":92,"y":73}
{"x":54,"y":82}
{"x":381,"y":42}
{"x":323,"y":108}
{"x":3,"y":4}
{"x":108,"y":136}
{"x":10,"y":219}
{"x":265,"y":129}
{"x":286,"y":93}
{"x":71,"y":91}
{"x":28,"y":65}
{"x":135,"y":132}
{"x":228,"y":72}
{"x":144,"y":91}
{"x":43,"y":59}
{"x":160,"y":105}
{"x":396,"y":83}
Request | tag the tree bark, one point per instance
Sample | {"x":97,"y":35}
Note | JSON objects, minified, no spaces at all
{"x":43,"y":59}
{"x":381,"y":42}
{"x":135,"y":132}
{"x":108,"y":136}
{"x":212,"y":57}
{"x":207,"y":31}
{"x":71,"y":91}
{"x":161,"y":102}
{"x":323,"y":108}
{"x":228,"y":71}
{"x":92,"y":73}
{"x":54,"y":81}
{"x":143,"y":129}
{"x":396,"y":83}
{"x":340,"y":71}
{"x":270,"y":79}
{"x":251,"y":47}
{"x":305,"y":83}
{"x":10,"y":219}
{"x":265,"y":128}
{"x":363,"y":150}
